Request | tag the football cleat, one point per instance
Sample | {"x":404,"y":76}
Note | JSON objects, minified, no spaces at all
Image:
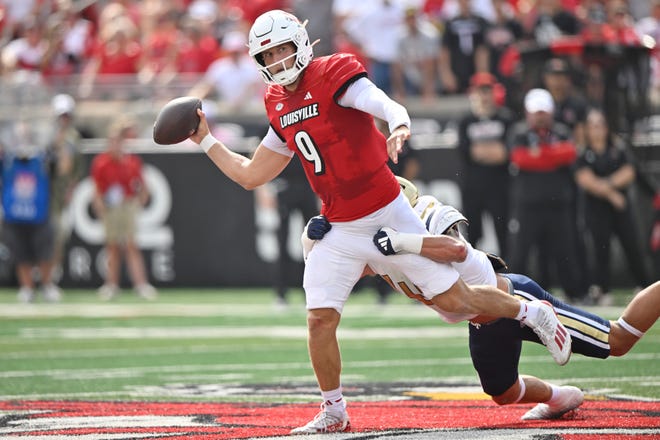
{"x":146,"y":291}
{"x":52,"y":293}
{"x":569,"y":399}
{"x":108,"y":291}
{"x":25,"y":295}
{"x":325,"y":422}
{"x":551,"y":332}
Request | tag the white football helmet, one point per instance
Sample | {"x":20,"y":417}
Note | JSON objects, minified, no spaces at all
{"x":439,"y":218}
{"x":272,"y":29}
{"x":409,"y":190}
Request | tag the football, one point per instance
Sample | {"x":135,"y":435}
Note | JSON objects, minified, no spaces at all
{"x":177,"y":120}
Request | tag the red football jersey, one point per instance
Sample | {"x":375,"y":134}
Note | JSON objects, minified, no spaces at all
{"x":343,"y":153}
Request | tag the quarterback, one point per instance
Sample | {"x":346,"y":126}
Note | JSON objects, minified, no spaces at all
{"x":322,"y":110}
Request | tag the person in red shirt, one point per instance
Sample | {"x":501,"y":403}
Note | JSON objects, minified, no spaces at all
{"x":198,"y":47}
{"x":323,"y":110}
{"x":120,"y":193}
{"x":117,"y":53}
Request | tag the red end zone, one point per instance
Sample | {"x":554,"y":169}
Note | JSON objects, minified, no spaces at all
{"x":195,"y":421}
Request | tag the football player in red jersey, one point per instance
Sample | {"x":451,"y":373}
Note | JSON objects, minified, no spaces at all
{"x":323,"y":110}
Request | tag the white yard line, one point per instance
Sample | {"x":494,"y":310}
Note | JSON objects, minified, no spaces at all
{"x":214,"y":332}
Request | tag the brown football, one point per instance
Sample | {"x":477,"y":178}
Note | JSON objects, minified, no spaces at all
{"x":177,"y":120}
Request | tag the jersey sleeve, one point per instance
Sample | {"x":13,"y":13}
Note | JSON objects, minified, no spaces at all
{"x":275,"y":143}
{"x":341,"y":71}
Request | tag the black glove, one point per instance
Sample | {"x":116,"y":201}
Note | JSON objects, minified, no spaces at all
{"x":384,"y":243}
{"x":317,"y":227}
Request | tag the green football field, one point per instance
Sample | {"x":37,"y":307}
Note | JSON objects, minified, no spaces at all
{"x":236,"y":345}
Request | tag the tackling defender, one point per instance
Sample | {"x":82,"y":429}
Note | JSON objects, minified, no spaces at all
{"x":323,"y":110}
{"x":495,"y":344}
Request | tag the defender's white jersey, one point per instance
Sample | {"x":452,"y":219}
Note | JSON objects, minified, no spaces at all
{"x":475,"y":270}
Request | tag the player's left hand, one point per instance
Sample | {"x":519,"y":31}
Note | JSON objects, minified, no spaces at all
{"x":395,"y":142}
{"x":317,"y":227}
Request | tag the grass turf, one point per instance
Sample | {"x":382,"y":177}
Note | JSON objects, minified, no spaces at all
{"x":193,"y":344}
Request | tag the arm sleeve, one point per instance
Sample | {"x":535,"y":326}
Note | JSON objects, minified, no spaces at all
{"x":273,"y":142}
{"x":365,"y":96}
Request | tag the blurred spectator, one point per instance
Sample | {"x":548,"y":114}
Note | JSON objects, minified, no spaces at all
{"x":504,"y":31}
{"x":68,"y":168}
{"x":73,"y":32}
{"x":319,"y":26}
{"x":606,"y":171}
{"x":543,"y":194}
{"x":463,"y":51}
{"x":552,"y":21}
{"x":650,"y":27}
{"x":414,"y":70}
{"x":482,"y":136}
{"x":448,"y":9}
{"x":159,"y":50}
{"x":570,"y":107}
{"x":377,"y":31}
{"x":571,"y":111}
{"x":595,"y":29}
{"x":117,"y":52}
{"x":198,"y":47}
{"x":622,"y":23}
{"x":28,"y":51}
{"x":114,"y":10}
{"x":15,"y":13}
{"x":120,"y":194}
{"x":233,"y":77}
{"x":25,"y":170}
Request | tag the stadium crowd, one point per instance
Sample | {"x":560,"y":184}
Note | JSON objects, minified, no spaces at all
{"x":592,"y":55}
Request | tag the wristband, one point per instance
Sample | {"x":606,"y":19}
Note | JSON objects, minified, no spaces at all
{"x":208,"y":142}
{"x":411,"y":243}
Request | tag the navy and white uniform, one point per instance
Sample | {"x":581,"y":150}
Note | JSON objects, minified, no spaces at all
{"x":495,"y":346}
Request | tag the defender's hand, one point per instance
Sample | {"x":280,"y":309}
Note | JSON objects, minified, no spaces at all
{"x":317,"y":227}
{"x":383,"y":241}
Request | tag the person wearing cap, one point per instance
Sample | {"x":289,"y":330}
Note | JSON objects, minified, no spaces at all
{"x":542,"y":194}
{"x":232,"y":77}
{"x":482,"y":135}
{"x":68,"y":170}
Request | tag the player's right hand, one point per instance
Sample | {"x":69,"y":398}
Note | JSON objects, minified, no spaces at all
{"x":317,"y":227}
{"x":202,"y":128}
